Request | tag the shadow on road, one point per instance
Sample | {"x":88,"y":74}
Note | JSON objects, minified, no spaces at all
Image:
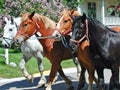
{"x":25,"y":85}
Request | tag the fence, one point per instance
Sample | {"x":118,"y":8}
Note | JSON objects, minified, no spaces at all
{"x":6,"y":54}
{"x":112,"y":20}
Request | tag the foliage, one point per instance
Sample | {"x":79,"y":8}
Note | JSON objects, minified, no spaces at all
{"x":118,"y":9}
{"x":49,"y":8}
{"x":72,"y":4}
{"x":111,"y":9}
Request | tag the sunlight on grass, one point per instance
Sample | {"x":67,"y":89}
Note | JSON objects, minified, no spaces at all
{"x":7,"y":71}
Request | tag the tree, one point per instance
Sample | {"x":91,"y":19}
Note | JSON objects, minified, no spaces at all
{"x":72,"y":4}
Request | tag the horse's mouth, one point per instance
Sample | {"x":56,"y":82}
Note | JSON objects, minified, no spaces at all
{"x":19,"y":41}
{"x":6,"y":46}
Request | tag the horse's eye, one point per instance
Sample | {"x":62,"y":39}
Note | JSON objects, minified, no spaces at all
{"x":65,"y":21}
{"x":10,"y":29}
{"x":24,"y":25}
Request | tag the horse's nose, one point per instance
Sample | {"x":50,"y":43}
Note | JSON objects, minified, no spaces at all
{"x":18,"y":41}
{"x":5,"y":45}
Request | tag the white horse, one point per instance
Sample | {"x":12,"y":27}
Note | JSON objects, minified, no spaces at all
{"x":31,"y":48}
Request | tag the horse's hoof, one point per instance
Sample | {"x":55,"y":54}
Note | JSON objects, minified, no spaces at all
{"x":30,"y":78}
{"x":113,"y":88}
{"x":81,"y":85}
{"x":41,"y":85}
{"x":102,"y":87}
{"x":70,"y":88}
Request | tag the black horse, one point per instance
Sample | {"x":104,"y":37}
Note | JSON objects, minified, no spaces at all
{"x":104,"y":47}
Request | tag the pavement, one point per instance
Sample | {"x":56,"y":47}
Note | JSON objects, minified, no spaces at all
{"x":21,"y":83}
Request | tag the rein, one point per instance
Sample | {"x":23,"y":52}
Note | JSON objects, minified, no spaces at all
{"x":45,"y":37}
{"x":41,"y":37}
{"x":85,"y":36}
{"x":6,"y":40}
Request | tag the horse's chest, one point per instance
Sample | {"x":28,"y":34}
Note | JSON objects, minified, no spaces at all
{"x":26,"y":51}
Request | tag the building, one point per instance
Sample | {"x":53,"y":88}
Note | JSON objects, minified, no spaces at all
{"x":106,"y":11}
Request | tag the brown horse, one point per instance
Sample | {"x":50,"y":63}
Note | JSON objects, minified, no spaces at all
{"x":64,"y":27}
{"x":116,"y":28}
{"x":53,"y":50}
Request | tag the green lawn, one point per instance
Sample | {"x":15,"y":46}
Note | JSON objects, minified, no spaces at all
{"x":7,"y":71}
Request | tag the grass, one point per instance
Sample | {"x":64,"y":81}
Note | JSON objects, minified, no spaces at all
{"x":7,"y":71}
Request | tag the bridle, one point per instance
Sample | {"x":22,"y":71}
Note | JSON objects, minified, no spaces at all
{"x":84,"y":36}
{"x":27,"y":35}
{"x":35,"y":32}
{"x":8,"y":38}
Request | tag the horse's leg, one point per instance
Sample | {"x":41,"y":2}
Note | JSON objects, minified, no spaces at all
{"x":82,"y":80}
{"x":23,"y":68}
{"x":114,"y":81}
{"x":67,"y":81}
{"x":101,"y":84}
{"x":53,"y":72}
{"x":91,"y":78}
{"x":42,"y":80}
{"x":75,"y":60}
{"x":84,"y":56}
{"x":91,"y":70}
{"x":56,"y":67}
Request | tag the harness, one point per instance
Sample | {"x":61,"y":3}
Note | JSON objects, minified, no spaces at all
{"x":85,"y":36}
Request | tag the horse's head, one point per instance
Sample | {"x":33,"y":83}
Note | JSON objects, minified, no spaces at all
{"x":64,"y":24}
{"x":10,"y":30}
{"x":27,"y":28}
{"x":78,"y":31}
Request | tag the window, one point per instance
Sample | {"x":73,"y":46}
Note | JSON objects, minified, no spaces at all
{"x":92,"y":9}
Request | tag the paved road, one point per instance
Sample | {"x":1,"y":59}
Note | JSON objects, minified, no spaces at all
{"x":22,"y":84}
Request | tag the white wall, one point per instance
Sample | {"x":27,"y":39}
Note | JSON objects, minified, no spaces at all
{"x":84,"y":7}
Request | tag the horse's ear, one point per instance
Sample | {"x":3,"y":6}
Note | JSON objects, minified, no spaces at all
{"x":12,"y":21}
{"x":6,"y":19}
{"x":21,"y":14}
{"x":84,"y":17}
{"x":72,"y":11}
{"x":73,"y":18}
{"x":32,"y":14}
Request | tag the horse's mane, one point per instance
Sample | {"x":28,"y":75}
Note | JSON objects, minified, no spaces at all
{"x":47,"y":22}
{"x":75,"y":19}
{"x":97,"y":22}
{"x":74,"y":12}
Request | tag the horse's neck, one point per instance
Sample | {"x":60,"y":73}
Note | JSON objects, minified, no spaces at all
{"x":96,"y":28}
{"x":48,"y":42}
{"x":45,"y":31}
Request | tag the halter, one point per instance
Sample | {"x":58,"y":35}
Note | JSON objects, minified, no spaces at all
{"x":67,"y":32}
{"x":85,"y":36}
{"x":27,"y":35}
{"x":8,"y":38}
{"x":35,"y":32}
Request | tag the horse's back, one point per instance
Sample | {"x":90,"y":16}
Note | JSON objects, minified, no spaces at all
{"x":116,"y":28}
{"x":32,"y":46}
